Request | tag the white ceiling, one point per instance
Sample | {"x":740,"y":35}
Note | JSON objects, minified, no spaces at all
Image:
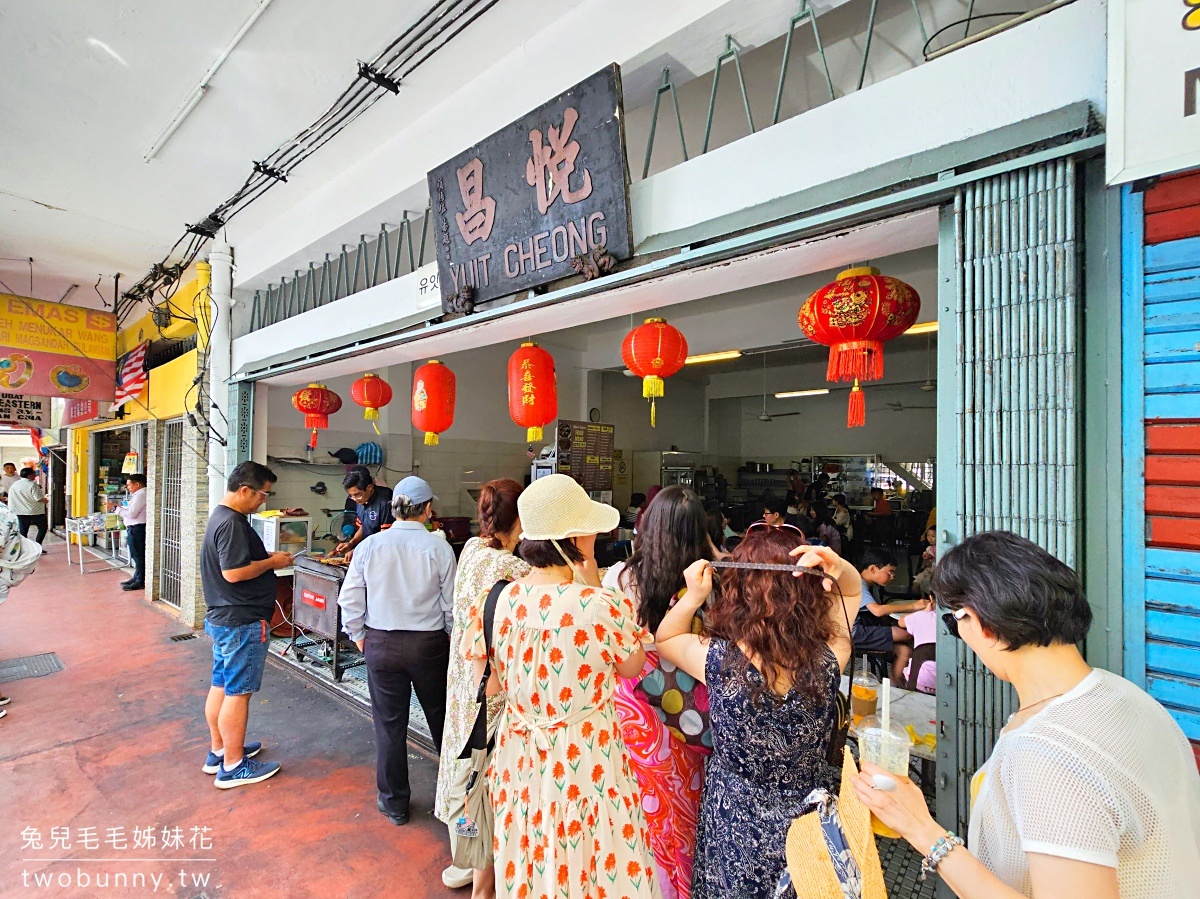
{"x":87,"y":87}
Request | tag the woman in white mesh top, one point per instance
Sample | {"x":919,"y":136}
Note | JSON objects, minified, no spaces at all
{"x":1092,"y":789}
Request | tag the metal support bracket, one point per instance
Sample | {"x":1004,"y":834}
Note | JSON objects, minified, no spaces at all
{"x":804,"y":15}
{"x":662,"y":88}
{"x":730,"y":52}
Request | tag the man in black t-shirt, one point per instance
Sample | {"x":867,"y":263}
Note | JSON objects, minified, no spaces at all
{"x":238,"y":577}
{"x":372,"y":505}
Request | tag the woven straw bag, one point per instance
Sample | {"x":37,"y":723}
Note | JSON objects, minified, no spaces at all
{"x":808,"y":859}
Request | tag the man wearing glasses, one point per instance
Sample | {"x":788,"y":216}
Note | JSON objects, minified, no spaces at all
{"x":238,"y":577}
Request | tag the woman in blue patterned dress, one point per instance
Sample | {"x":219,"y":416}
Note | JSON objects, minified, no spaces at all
{"x":772,"y":663}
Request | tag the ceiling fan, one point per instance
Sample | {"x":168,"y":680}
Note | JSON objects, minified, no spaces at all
{"x":901,"y":407}
{"x":766,"y":416}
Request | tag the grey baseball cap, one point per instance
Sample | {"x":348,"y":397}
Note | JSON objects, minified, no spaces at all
{"x":416,"y":489}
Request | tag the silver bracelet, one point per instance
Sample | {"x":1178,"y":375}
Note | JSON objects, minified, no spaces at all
{"x":943,"y":847}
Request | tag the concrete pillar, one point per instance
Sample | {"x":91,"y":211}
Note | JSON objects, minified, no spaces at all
{"x":218,"y":350}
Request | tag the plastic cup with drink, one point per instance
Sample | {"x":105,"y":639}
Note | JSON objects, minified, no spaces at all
{"x":864,"y":694}
{"x":886,"y":747}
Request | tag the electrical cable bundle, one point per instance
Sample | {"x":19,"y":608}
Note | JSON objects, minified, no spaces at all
{"x":433,"y":30}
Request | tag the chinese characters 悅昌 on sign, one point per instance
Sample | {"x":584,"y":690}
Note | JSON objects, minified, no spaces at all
{"x":514,"y":210}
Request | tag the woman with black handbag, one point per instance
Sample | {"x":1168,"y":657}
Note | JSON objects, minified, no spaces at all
{"x":772,"y":662}
{"x":663,"y":711}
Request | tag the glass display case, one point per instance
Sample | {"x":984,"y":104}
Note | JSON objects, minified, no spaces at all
{"x":283,"y":533}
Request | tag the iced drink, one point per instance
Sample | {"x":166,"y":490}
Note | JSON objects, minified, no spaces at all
{"x":864,"y":695}
{"x":887,"y":750}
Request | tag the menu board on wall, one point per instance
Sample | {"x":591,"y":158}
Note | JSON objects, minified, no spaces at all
{"x":585,"y":452}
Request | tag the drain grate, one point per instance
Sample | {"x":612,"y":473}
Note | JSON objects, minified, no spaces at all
{"x":179,"y":638}
{"x":29,"y":666}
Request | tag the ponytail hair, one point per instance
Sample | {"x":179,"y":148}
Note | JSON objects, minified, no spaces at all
{"x":497,"y":509}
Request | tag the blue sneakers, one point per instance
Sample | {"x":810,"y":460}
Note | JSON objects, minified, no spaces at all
{"x":249,"y":751}
{"x":248,"y":772}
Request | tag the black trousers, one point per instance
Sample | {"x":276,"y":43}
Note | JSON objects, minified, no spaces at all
{"x":399,"y":662}
{"x":135,"y":537}
{"x":41,"y":522}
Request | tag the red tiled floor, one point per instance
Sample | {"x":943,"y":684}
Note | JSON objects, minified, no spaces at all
{"x":117,"y":738}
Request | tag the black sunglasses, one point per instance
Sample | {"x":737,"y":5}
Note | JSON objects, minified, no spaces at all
{"x":951,"y":619}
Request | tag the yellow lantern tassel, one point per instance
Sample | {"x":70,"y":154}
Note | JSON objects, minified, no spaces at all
{"x":533,"y":435}
{"x":431,"y":439}
{"x":372,"y":415}
{"x":653,"y":411}
{"x":652,"y":386}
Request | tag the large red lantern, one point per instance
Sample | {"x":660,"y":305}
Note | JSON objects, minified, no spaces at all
{"x":317,"y":402}
{"x":532,"y":389}
{"x":372,"y":393}
{"x":653,"y":351}
{"x":854,"y":316}
{"x":433,"y":400}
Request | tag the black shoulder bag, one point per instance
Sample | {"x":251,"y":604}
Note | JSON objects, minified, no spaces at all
{"x":479,"y":735}
{"x":841,"y":714}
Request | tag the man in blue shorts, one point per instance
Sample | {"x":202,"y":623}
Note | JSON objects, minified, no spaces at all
{"x":238,"y":577}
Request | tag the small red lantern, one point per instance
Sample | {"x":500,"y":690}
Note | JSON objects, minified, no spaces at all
{"x":317,"y":402}
{"x":854,"y":316}
{"x":532,"y":389}
{"x":433,"y":400}
{"x":372,"y":393}
{"x":653,"y":351}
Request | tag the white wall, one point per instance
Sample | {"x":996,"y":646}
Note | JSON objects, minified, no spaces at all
{"x":1038,"y":67}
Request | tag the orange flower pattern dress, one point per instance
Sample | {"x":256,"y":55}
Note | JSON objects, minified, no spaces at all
{"x":569,"y":821}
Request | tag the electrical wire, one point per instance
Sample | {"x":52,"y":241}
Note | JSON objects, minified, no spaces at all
{"x":430,"y":32}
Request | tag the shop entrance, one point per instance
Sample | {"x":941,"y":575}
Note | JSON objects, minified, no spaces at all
{"x":977,"y":415}
{"x":58,"y":487}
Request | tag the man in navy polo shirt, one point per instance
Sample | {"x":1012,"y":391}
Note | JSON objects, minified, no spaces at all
{"x":373,"y":507}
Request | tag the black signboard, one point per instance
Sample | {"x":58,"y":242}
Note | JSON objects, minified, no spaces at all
{"x":526,"y":205}
{"x":585,"y":452}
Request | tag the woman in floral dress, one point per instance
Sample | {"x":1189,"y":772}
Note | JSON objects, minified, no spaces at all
{"x":569,"y":822}
{"x":669,"y":770}
{"x":485,"y":559}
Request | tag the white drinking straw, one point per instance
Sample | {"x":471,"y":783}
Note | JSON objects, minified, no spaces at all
{"x":887,"y":707}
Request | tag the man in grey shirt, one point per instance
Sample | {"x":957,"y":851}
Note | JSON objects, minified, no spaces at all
{"x":397,"y":605}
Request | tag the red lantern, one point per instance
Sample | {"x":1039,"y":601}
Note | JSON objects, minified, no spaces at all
{"x":653,"y":351}
{"x":532,"y":389}
{"x":317,"y":402}
{"x":372,"y":393}
{"x":854,"y":316}
{"x":433,"y":400}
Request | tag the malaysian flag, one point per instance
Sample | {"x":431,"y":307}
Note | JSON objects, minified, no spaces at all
{"x":131,"y":375}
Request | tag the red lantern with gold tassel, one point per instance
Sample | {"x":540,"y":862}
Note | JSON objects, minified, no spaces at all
{"x":654,"y":351}
{"x":372,"y":393}
{"x":532,"y":389}
{"x":317,"y":402}
{"x":854,"y":316}
{"x":433,"y":400}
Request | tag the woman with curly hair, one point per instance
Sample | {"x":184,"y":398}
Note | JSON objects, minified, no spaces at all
{"x":670,"y":772}
{"x":772,"y":661}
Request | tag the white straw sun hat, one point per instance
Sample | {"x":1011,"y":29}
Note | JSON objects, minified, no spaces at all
{"x":556,"y":507}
